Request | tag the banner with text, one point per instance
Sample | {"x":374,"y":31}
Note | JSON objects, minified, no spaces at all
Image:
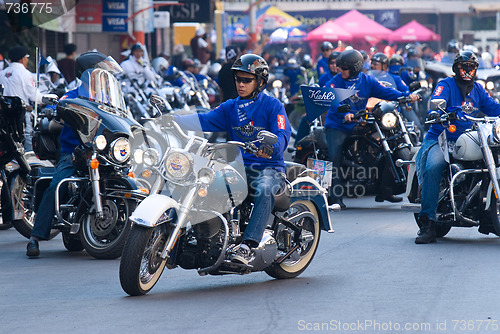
{"x":317,"y":100}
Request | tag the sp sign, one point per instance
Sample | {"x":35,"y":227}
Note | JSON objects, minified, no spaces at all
{"x":190,"y":11}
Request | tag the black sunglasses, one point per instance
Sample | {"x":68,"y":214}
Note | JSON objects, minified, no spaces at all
{"x":343,"y":68}
{"x":243,"y":79}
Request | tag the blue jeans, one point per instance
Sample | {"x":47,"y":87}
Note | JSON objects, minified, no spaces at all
{"x":46,"y":211}
{"x":335,"y":139}
{"x":264,"y":184}
{"x":430,"y":165}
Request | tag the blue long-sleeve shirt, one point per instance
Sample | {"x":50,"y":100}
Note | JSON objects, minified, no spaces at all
{"x":367,"y":86}
{"x":400,"y":84}
{"x":243,"y":119}
{"x":68,"y":139}
{"x":325,"y":78}
{"x":322,"y":66}
{"x":479,"y":99}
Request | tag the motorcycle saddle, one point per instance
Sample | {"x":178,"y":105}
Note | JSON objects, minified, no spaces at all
{"x":282,"y":199}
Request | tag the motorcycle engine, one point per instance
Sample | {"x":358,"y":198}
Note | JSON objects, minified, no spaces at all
{"x":202,"y":244}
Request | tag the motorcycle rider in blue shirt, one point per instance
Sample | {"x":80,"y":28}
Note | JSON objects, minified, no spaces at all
{"x":304,"y":128}
{"x":457,"y":90}
{"x":339,"y":125}
{"x":64,"y":169}
{"x":243,"y":117}
{"x":322,"y":65}
{"x":332,"y":69}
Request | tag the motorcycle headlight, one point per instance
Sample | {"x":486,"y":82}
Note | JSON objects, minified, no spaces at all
{"x":496,"y":130}
{"x":151,"y":157}
{"x":482,"y":83}
{"x":206,"y":175}
{"x":100,"y":142}
{"x":138,"y":156}
{"x":490,"y":85}
{"x":389,"y":120}
{"x":277,"y":84}
{"x":178,"y":164}
{"x":120,"y":149}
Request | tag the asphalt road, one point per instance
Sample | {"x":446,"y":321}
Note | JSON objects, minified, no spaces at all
{"x":367,"y":277}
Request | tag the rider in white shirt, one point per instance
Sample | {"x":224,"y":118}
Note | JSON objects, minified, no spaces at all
{"x":18,"y":81}
{"x":136,"y":66}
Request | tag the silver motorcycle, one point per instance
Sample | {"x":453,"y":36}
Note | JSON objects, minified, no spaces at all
{"x":198,"y":210}
{"x":468,"y":191}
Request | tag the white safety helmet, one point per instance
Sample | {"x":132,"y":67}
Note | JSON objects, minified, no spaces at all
{"x":159,"y":64}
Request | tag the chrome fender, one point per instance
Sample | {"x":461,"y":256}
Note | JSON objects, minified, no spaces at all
{"x":151,"y":208}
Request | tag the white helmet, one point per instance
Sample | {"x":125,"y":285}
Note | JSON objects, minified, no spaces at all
{"x":214,"y":69}
{"x":159,"y":64}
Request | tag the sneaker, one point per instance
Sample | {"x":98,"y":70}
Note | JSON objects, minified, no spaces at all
{"x":336,"y":200}
{"x":32,"y":249}
{"x":243,"y":254}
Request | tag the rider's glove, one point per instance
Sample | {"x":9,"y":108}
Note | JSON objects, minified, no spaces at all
{"x":266,"y":149}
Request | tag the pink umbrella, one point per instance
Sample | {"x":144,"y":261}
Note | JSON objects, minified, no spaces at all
{"x":413,"y":31}
{"x":361,"y":27}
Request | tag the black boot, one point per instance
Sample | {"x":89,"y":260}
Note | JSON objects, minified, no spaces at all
{"x":427,"y":233}
{"x":387,"y":195}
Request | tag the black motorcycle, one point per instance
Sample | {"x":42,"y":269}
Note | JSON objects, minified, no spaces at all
{"x":13,"y":162}
{"x":380,"y":138}
{"x":93,"y":206}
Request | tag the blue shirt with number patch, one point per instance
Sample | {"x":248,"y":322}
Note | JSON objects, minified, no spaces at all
{"x":367,"y":86}
{"x":243,"y":119}
{"x":478,"y":99}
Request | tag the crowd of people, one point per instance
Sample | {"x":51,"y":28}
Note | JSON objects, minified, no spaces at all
{"x":243,"y":76}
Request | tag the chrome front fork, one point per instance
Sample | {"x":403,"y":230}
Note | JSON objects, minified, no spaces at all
{"x":96,"y":190}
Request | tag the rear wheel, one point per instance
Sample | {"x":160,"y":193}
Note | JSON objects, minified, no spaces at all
{"x":141,"y":264}
{"x":24,"y":217}
{"x":298,"y":261}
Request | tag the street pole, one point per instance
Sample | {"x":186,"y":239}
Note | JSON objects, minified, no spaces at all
{"x":251,"y":25}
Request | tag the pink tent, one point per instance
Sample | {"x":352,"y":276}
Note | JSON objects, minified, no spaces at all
{"x":413,"y":31}
{"x":361,"y":27}
{"x":328,"y":31}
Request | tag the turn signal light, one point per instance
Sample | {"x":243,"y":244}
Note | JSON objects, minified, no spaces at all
{"x":94,"y":164}
{"x":202,"y":192}
{"x":452,"y":128}
{"x":131,"y":175}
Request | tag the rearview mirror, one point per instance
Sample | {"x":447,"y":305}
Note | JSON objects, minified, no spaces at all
{"x":437,"y":104}
{"x":414,"y":86}
{"x":267,"y":137}
{"x":50,"y":99}
{"x":159,"y":103}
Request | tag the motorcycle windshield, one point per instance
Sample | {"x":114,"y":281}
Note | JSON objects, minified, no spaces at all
{"x":184,"y":162}
{"x":99,"y":84}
